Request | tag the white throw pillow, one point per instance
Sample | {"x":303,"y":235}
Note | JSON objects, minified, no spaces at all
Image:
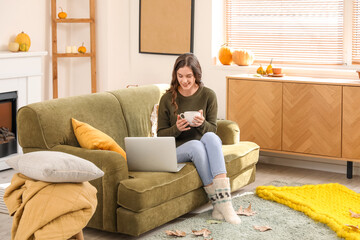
{"x":49,"y":166}
{"x":154,"y":120}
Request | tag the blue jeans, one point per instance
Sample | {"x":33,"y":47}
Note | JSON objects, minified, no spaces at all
{"x":206,"y":154}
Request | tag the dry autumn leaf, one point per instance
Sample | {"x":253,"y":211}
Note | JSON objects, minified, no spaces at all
{"x":176,"y":233}
{"x":353,"y":227}
{"x":245,"y":212}
{"x":203,"y":232}
{"x":262,"y":228}
{"x":354,"y":215}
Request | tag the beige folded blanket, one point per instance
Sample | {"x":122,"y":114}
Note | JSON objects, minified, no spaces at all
{"x":44,"y":210}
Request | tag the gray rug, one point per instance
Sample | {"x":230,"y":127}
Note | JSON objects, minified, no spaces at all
{"x":285,"y":222}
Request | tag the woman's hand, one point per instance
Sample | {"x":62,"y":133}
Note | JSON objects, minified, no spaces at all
{"x":182,"y":124}
{"x":198,"y":120}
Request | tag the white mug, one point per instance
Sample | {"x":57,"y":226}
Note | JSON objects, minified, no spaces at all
{"x":189,"y":116}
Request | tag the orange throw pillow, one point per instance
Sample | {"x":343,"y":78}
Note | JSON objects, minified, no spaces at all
{"x":92,"y":138}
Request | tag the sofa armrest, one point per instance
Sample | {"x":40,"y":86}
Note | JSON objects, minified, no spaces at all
{"x":115,"y":169}
{"x":228,"y":131}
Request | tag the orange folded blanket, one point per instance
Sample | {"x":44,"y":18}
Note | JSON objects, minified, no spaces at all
{"x":44,"y":210}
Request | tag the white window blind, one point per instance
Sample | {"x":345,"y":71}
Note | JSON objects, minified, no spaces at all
{"x":289,"y":31}
{"x":356,"y":33}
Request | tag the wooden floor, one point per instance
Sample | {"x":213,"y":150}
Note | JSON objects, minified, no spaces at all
{"x":265,"y":174}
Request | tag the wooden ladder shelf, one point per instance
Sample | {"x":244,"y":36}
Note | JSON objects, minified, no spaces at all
{"x":56,"y":55}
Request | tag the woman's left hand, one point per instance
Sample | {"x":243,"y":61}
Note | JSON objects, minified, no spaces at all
{"x":198,"y":120}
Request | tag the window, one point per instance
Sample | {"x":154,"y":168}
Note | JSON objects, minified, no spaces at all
{"x":356,"y":33}
{"x":289,"y":31}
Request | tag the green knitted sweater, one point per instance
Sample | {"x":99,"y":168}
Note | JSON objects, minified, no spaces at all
{"x":204,"y":98}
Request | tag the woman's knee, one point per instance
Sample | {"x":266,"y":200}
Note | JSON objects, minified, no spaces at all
{"x":197,"y":151}
{"x":195,"y":147}
{"x":210,"y":137}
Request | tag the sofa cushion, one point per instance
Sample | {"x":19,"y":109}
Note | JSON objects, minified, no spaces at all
{"x":240,"y":156}
{"x":144,"y":190}
{"x":137,"y":104}
{"x":48,"y":123}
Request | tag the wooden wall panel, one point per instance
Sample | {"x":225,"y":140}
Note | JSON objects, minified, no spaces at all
{"x":312,"y":119}
{"x":351,"y":122}
{"x":256,"y":107}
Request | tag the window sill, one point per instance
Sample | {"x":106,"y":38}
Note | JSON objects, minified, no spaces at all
{"x":337,"y":72}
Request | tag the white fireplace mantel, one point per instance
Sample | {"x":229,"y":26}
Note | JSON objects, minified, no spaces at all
{"x":21,"y":72}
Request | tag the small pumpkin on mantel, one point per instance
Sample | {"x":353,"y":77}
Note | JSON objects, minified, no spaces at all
{"x":24,"y":41}
{"x":13,"y":46}
{"x":243,"y":57}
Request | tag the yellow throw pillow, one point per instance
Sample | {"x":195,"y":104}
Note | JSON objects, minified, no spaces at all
{"x":92,"y":138}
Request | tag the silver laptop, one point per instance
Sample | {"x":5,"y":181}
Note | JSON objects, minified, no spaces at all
{"x":152,"y":154}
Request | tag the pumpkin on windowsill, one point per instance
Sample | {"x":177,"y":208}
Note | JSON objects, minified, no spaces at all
{"x":225,"y":55}
{"x":243,"y":57}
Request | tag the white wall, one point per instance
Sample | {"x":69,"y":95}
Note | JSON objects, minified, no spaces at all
{"x":152,"y":68}
{"x":112,"y":36}
{"x":119,"y":62}
{"x":33,"y":18}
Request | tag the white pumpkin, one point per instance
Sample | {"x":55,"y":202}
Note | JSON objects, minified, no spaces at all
{"x":14,"y":46}
{"x":243,"y":57}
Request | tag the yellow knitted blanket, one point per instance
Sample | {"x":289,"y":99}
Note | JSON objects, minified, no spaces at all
{"x":327,"y":203}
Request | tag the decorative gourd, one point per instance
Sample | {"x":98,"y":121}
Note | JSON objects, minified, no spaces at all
{"x":243,"y":57}
{"x":225,"y":55}
{"x":24,"y":41}
{"x":261,"y":71}
{"x":82,"y":49}
{"x":62,"y":14}
{"x":24,"y":47}
{"x":269,"y":68}
{"x":13,"y":47}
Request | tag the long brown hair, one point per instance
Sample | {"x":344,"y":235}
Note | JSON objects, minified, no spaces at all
{"x":188,"y":60}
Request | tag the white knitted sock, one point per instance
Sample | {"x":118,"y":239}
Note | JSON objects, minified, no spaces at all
{"x":210,"y":190}
{"x":223,"y":202}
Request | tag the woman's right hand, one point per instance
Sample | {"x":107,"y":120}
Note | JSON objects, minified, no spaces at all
{"x":182,"y":124}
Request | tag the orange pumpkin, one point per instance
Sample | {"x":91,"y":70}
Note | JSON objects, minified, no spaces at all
{"x":82,"y":49}
{"x":243,"y":57}
{"x":24,"y":41}
{"x":225,"y":55}
{"x":62,"y":14}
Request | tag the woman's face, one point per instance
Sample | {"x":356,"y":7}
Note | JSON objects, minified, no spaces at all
{"x":186,"y":78}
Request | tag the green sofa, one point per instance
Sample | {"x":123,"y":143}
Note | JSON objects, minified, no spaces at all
{"x":129,"y":202}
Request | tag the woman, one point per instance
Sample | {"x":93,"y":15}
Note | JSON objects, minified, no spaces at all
{"x":197,"y":143}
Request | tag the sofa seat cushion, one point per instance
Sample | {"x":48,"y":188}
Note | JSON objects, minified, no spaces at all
{"x":240,"y":156}
{"x":144,"y":190}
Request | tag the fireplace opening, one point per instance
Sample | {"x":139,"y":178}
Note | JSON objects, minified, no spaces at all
{"x":8,"y":108}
